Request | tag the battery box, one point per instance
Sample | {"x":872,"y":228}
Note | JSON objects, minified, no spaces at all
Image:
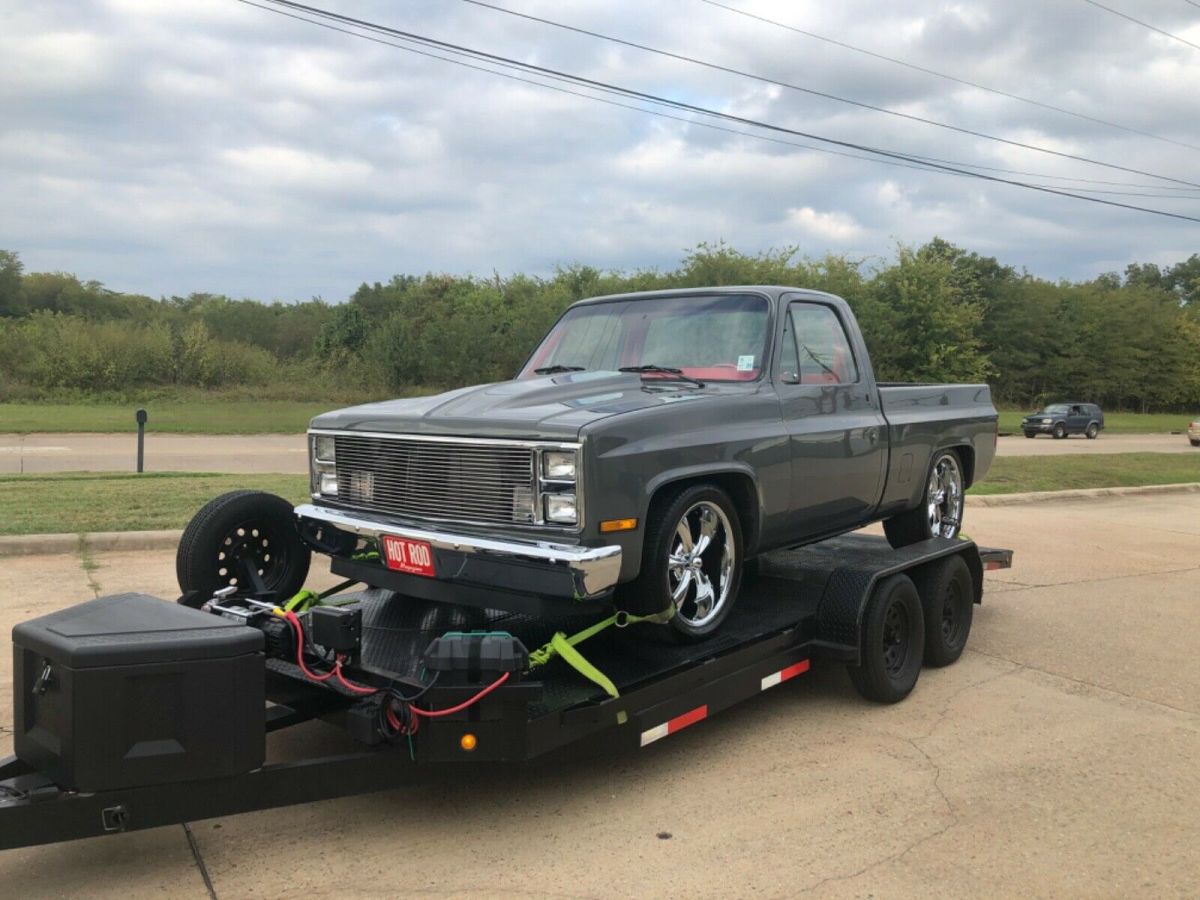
{"x":131,"y":690}
{"x":476,"y":657}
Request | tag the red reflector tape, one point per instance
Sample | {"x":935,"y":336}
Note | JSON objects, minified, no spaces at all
{"x":784,"y":674}
{"x":673,"y":725}
{"x":991,"y":566}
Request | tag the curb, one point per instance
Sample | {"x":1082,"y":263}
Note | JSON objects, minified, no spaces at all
{"x":31,"y":544}
{"x":1190,"y":487}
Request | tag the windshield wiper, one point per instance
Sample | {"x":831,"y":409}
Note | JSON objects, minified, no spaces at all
{"x":668,"y":370}
{"x":555,"y":370}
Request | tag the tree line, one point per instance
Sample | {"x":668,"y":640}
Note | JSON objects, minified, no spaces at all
{"x":936,"y":312}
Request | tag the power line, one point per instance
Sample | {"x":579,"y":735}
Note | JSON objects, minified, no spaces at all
{"x":954,"y":78}
{"x":681,"y":105}
{"x":795,"y":87}
{"x":1117,"y":12}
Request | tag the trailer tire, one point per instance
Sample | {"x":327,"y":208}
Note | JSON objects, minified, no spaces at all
{"x":893,"y":642}
{"x":237,"y":528}
{"x":947,"y":604}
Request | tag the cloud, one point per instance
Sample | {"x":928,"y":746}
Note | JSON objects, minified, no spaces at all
{"x":208,"y":145}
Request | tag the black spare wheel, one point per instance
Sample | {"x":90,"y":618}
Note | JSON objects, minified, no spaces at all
{"x":948,"y":602}
{"x":243,"y":539}
{"x":893,"y":642}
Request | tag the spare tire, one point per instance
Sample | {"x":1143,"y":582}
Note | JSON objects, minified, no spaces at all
{"x":238,"y":536}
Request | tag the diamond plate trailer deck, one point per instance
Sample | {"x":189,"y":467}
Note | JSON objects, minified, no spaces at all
{"x":799,"y":605}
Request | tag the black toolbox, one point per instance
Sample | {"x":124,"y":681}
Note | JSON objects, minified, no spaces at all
{"x":129,"y":690}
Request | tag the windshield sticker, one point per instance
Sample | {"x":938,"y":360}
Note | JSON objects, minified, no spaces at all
{"x":745,"y":364}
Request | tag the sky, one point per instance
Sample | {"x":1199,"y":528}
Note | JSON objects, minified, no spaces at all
{"x":209,"y":145}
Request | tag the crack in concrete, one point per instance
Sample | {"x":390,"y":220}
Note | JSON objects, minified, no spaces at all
{"x":199,"y":860}
{"x":88,"y":563}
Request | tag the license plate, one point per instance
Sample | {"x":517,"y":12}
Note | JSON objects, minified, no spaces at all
{"x":411,"y":557}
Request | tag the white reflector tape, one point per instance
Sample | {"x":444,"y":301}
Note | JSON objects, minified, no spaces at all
{"x":784,"y":674}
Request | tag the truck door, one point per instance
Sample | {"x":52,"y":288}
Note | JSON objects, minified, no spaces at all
{"x":837,"y":432}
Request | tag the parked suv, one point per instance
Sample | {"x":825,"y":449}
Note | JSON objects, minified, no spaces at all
{"x":1061,"y":419}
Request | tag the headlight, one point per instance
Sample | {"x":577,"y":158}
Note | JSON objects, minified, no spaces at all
{"x":558,"y":465}
{"x":1047,"y":421}
{"x":561,"y":508}
{"x":324,"y":448}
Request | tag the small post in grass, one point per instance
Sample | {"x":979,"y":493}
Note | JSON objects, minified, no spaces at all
{"x":141,"y":423}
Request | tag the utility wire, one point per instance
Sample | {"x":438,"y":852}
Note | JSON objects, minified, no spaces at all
{"x":953,"y":78}
{"x":815,"y":93}
{"x":620,"y":92}
{"x":689,"y":107}
{"x":1117,"y":12}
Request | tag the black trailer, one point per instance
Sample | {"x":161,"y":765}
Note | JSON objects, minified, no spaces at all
{"x":129,"y":717}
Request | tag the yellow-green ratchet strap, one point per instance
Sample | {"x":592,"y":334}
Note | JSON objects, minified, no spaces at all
{"x":563,"y":646}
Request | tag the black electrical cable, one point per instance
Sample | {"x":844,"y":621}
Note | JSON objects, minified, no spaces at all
{"x":689,"y":107}
{"x":918,"y":161}
{"x":794,"y":87}
{"x":1117,"y":12}
{"x":954,"y":78}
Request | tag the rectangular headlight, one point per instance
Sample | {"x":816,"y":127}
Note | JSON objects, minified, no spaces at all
{"x":327,"y":484}
{"x":562,"y":508}
{"x":558,"y":465}
{"x":324,"y":448}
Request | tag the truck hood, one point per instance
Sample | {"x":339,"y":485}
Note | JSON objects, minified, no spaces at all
{"x":553,"y":407}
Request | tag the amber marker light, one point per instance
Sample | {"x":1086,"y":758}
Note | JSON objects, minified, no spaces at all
{"x":610,"y":525}
{"x":467,"y":742}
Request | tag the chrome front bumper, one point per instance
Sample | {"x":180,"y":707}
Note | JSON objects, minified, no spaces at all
{"x":593,"y":570}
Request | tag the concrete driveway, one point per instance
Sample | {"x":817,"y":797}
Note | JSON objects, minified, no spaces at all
{"x":286,"y":453}
{"x":1057,"y":758}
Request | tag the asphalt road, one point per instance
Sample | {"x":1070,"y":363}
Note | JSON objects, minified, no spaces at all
{"x":286,"y":452}
{"x":1056,"y":758}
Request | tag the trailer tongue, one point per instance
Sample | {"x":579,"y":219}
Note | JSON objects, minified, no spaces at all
{"x":132,"y":713}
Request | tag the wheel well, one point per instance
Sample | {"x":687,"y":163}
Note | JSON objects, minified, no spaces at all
{"x":741,"y":491}
{"x":966,"y":455}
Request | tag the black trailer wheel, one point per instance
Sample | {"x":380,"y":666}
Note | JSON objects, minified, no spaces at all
{"x":243,"y":539}
{"x":941,"y":511}
{"x":948,"y":604}
{"x":893,"y":642}
{"x":692,"y":557}
{"x":1060,"y":431}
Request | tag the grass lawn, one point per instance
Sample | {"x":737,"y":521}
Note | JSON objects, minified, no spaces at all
{"x":77,"y":502}
{"x":1017,"y":474}
{"x":1114,"y":422}
{"x":184,"y":416}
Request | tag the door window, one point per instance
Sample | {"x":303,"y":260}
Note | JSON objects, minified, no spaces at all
{"x":816,"y":349}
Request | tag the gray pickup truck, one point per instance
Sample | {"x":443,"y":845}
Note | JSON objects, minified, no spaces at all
{"x":652,"y":444}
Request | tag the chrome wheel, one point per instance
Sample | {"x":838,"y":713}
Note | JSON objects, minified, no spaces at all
{"x":700,"y":565}
{"x":944,"y":497}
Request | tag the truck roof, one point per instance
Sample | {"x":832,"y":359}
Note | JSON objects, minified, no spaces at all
{"x":771,"y":291}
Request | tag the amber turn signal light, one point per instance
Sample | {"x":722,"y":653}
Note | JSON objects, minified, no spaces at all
{"x":618,"y":525}
{"x":467,"y":742}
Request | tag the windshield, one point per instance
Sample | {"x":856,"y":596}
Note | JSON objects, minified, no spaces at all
{"x":1057,"y":409}
{"x":713,"y":338}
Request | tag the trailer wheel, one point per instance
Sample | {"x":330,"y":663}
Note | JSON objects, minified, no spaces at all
{"x":236,"y":533}
{"x":693,"y":558}
{"x":948,"y":605}
{"x":893,"y":642}
{"x":941,"y":511}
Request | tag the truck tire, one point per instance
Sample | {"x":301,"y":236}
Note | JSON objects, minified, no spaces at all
{"x":947,"y":605}
{"x":893,"y":642}
{"x":235,"y":530}
{"x":1060,"y":431}
{"x":701,"y":576}
{"x":1093,"y":431}
{"x":1194,"y":443}
{"x":940,"y":513}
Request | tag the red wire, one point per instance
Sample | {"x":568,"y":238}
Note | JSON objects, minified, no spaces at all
{"x":295,"y":623}
{"x":350,"y":686}
{"x":433,"y":713}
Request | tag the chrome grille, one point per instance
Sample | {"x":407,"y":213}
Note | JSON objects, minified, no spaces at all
{"x":446,"y":480}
